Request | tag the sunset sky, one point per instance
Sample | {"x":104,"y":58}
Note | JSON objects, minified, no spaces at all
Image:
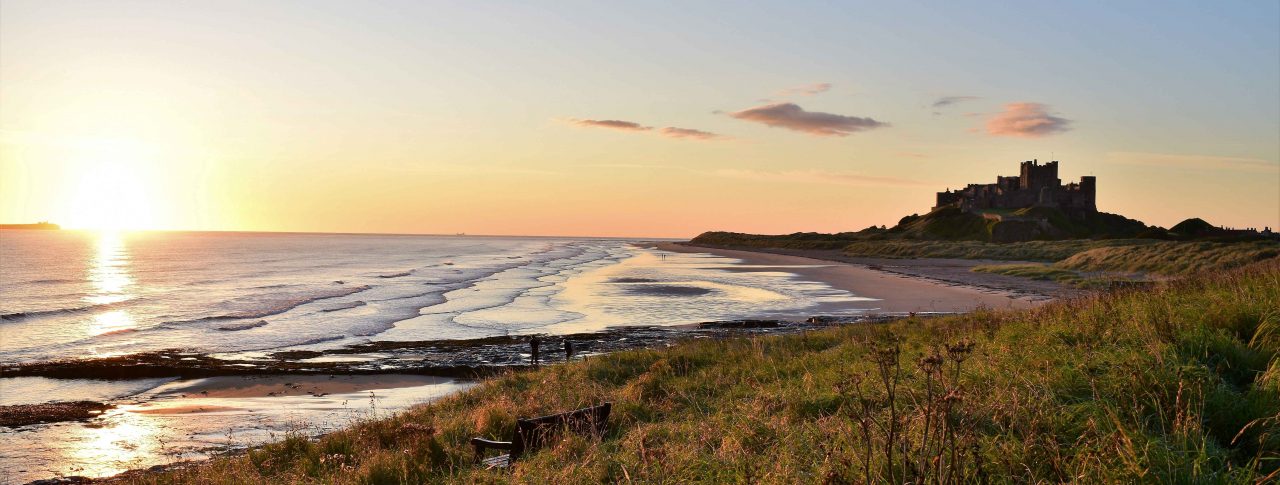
{"x":611,"y":119}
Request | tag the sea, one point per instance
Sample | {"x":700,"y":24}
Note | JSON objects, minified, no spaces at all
{"x":86,"y":294}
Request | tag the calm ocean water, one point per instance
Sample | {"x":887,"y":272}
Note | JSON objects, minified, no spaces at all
{"x":70,"y":294}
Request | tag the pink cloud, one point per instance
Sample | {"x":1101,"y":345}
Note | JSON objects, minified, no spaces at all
{"x":631,"y":126}
{"x":793,"y":117}
{"x":1026,"y":120}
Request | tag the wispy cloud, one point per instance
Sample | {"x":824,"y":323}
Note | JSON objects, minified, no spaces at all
{"x":669,"y":131}
{"x":1026,"y":120}
{"x":950,"y":100}
{"x":477,"y":169}
{"x":612,"y":124}
{"x":1202,"y":162}
{"x":823,"y":177}
{"x":793,"y":117}
{"x":673,"y":132}
{"x":806,"y":90}
{"x":623,"y":165}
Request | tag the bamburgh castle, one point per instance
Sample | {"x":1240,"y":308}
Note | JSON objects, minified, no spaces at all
{"x":1037,"y":185}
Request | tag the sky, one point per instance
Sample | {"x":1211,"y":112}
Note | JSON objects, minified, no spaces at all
{"x":625,"y":119}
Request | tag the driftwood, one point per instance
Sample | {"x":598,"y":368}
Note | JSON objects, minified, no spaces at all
{"x":533,"y":433}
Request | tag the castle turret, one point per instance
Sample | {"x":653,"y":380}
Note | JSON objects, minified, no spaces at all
{"x":1086,"y":198}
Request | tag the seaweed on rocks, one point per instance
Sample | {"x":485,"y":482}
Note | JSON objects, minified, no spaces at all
{"x":26,"y":414}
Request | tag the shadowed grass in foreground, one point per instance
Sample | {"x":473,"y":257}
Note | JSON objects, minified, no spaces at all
{"x":1176,"y":384}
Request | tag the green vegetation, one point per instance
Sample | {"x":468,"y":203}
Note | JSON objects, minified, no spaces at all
{"x":997,"y":225}
{"x":1021,"y":251}
{"x":1172,"y":258}
{"x":1161,"y":258}
{"x":949,"y":224}
{"x":1091,"y":242}
{"x":1179,"y":383}
{"x":1169,"y":258}
{"x":1033,"y":271}
{"x":1193,"y":227}
{"x":1050,"y":272}
{"x":799,"y":240}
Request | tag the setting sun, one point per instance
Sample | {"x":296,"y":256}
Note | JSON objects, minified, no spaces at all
{"x":112,"y":187}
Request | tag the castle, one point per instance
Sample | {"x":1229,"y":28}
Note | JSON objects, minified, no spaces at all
{"x":1037,"y":185}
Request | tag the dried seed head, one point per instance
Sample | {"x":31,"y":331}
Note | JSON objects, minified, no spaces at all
{"x":960,"y":350}
{"x":931,"y":363}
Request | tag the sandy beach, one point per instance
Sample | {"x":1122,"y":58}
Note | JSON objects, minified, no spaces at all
{"x":894,"y":292}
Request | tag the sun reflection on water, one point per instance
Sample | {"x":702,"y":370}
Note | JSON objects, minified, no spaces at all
{"x":110,"y":281}
{"x":111,"y":322}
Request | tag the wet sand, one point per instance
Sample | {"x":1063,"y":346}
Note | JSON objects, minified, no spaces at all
{"x":233,"y":393}
{"x":290,"y":385}
{"x":893,"y":292}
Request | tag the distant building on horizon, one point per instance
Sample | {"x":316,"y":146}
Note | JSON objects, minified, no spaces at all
{"x":1036,"y":186}
{"x":39,"y":226}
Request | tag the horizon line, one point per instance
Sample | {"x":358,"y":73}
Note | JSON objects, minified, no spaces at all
{"x":343,"y":233}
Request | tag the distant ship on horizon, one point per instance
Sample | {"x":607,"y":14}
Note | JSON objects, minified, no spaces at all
{"x":39,"y":226}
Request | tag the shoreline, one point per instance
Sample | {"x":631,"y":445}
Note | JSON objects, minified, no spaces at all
{"x":217,"y":388}
{"x":231,"y":390}
{"x":896,"y":291}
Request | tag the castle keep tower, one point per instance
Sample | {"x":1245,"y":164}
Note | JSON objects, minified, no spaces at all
{"x":1034,"y":176}
{"x":1036,"y":185}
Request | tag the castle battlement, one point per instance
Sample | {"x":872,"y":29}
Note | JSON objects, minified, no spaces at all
{"x":1036,"y":185}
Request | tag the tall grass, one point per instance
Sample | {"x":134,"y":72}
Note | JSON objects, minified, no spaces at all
{"x":1172,"y":258}
{"x":1035,"y":271}
{"x":1019,"y":251}
{"x":1174,"y":384}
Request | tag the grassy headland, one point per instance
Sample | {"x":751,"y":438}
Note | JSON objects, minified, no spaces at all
{"x":1087,"y":242}
{"x":1178,"y":383}
{"x":1085,"y":253}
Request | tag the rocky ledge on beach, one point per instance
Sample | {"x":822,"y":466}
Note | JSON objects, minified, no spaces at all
{"x":467,"y":358}
{"x":26,"y":414}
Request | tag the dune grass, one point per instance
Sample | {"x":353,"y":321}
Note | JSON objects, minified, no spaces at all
{"x":1171,"y":258}
{"x":1174,"y":384}
{"x":1033,"y":271}
{"x":1047,"y":251}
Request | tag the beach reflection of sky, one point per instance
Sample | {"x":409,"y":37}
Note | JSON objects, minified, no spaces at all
{"x":655,"y":287}
{"x":165,"y":429}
